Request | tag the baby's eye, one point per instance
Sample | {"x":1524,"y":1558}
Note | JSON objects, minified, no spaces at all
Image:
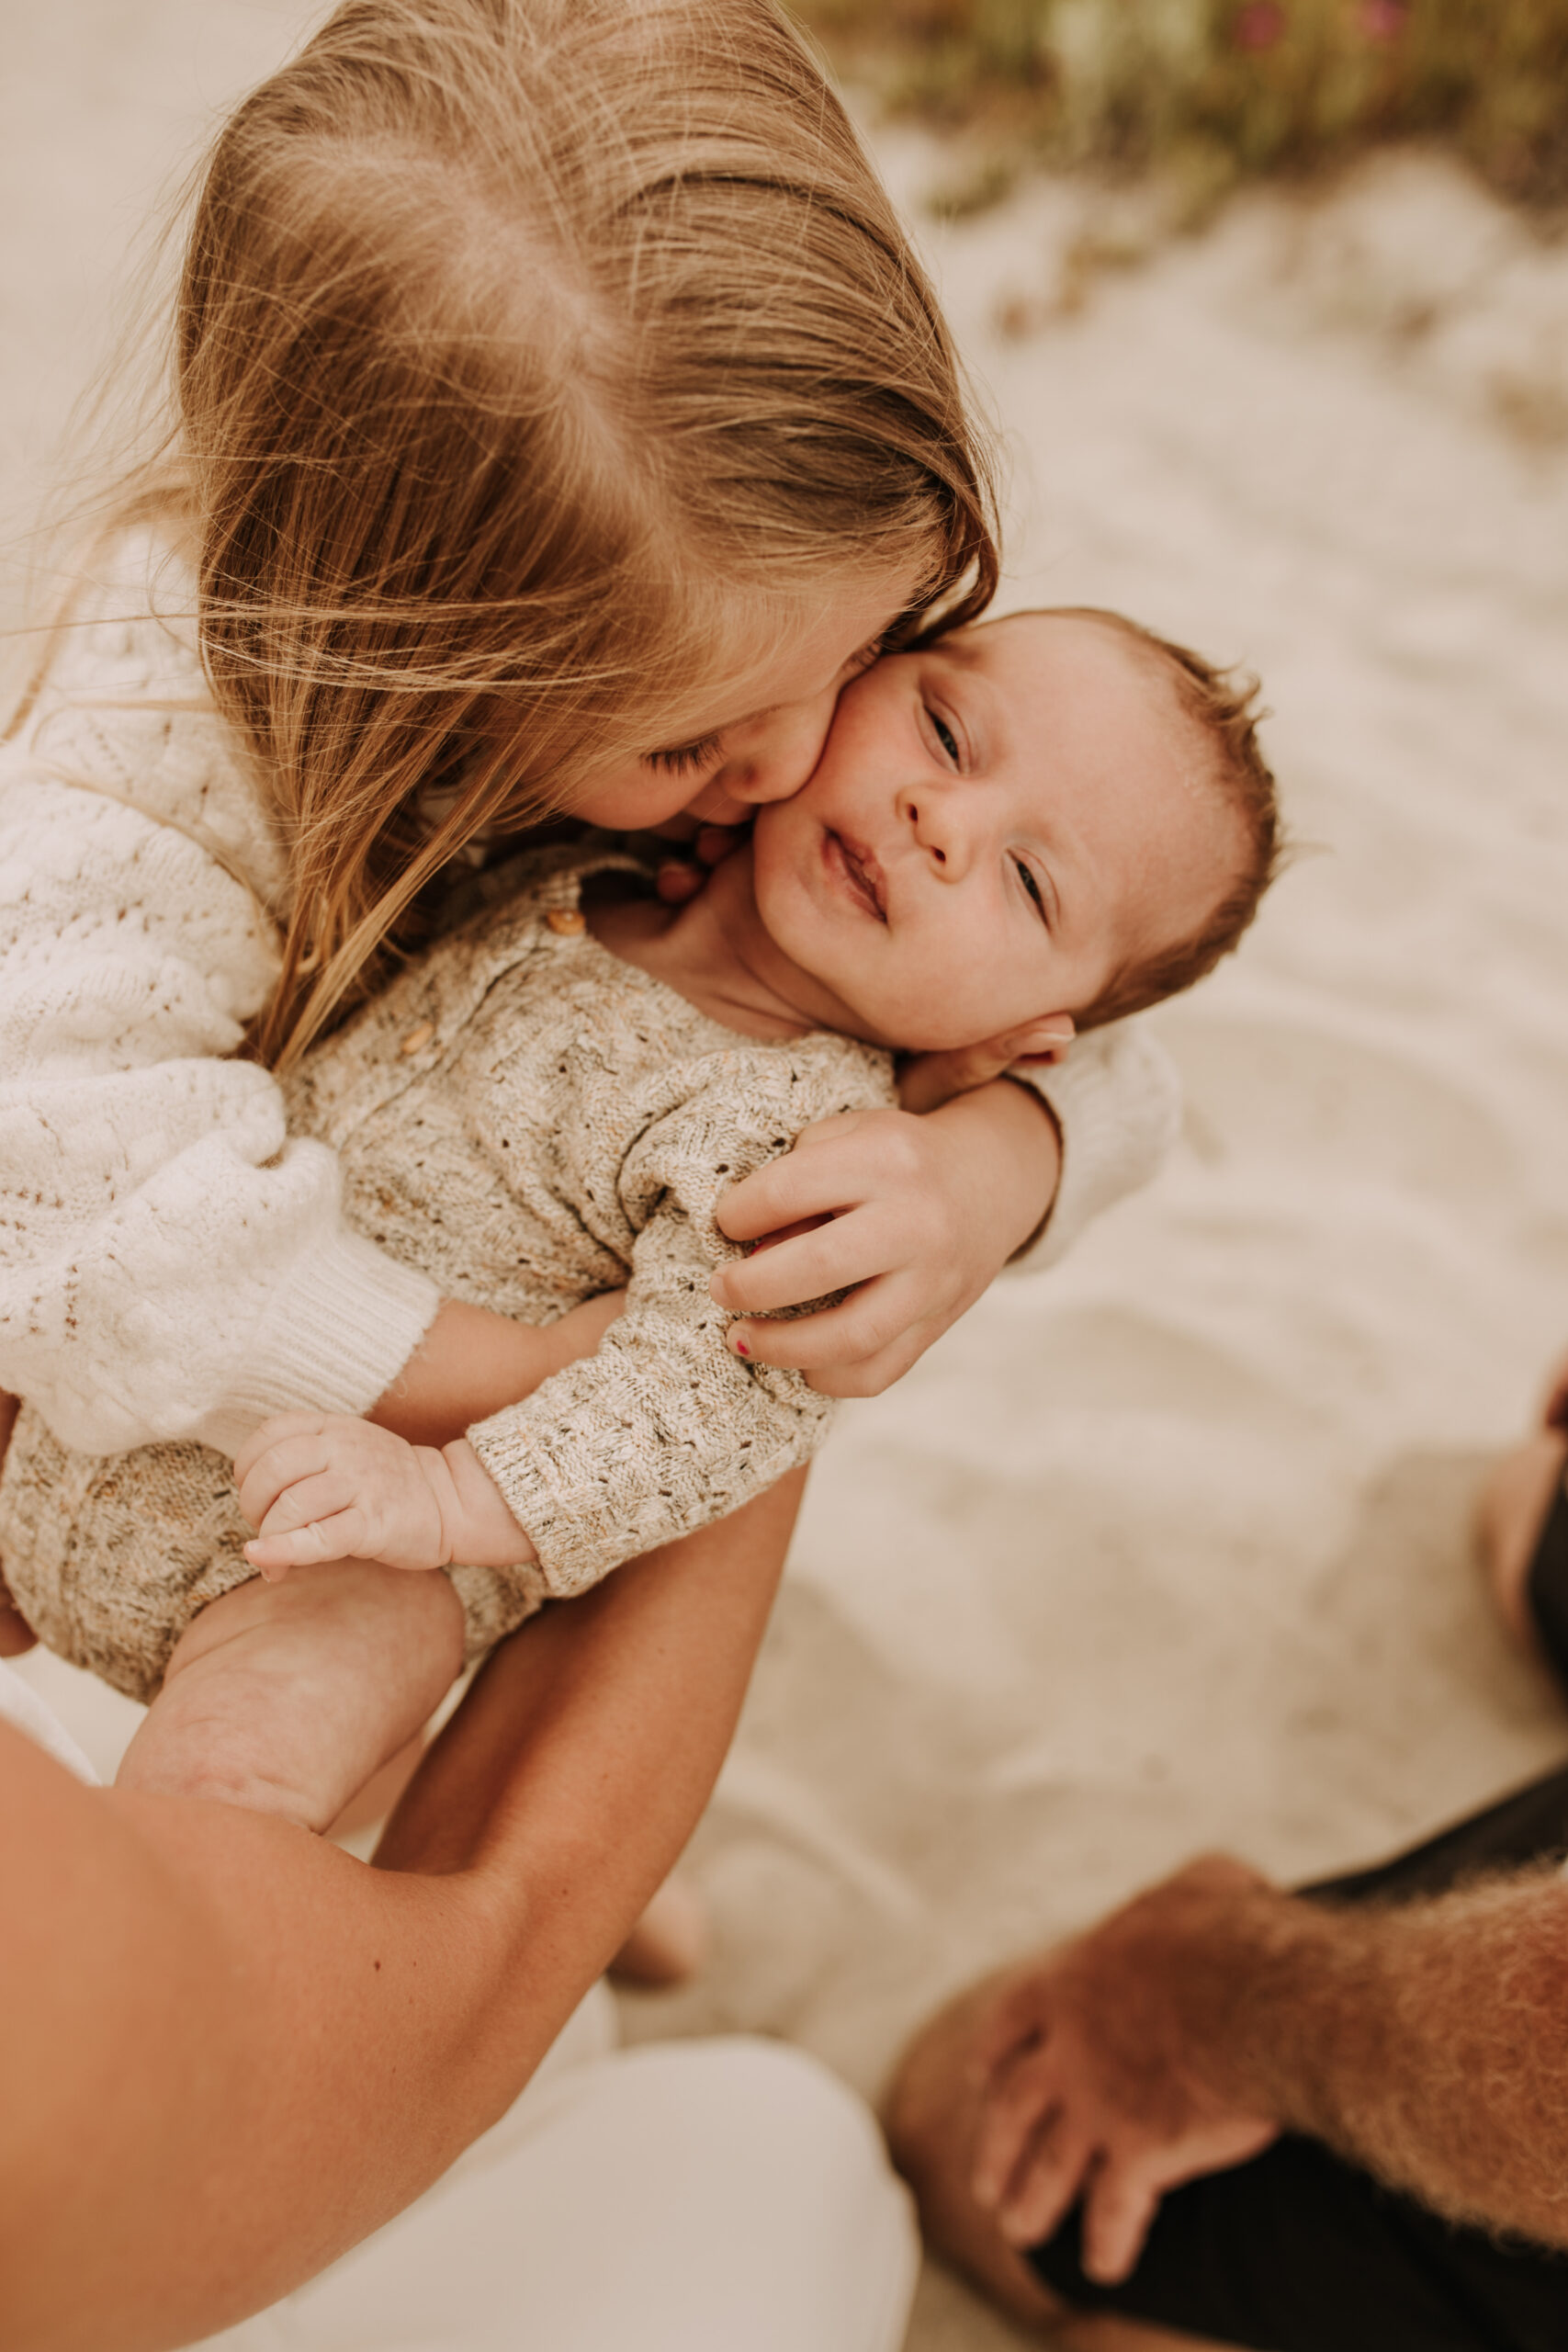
{"x":944,"y":734}
{"x":686,"y":757}
{"x":1026,"y":876}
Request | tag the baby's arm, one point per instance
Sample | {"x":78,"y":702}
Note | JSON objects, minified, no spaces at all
{"x":666,"y":1427}
{"x":323,"y":1487}
{"x":662,"y":1430}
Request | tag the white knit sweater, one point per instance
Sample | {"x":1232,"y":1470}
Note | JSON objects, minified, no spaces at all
{"x":173,"y":1262}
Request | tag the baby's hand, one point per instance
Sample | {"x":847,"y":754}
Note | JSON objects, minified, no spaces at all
{"x":323,"y":1486}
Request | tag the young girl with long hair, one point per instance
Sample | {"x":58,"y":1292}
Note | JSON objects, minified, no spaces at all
{"x":557,"y":418}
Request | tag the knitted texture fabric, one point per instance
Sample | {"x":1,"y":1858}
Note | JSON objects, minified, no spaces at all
{"x":530,"y":1122}
{"x":175,"y":1262}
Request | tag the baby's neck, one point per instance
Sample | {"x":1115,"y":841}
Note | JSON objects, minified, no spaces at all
{"x":715,"y":952}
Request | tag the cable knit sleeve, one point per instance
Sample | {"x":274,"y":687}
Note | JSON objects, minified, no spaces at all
{"x":1117,"y":1101}
{"x":663,"y":1430}
{"x":172,"y":1264}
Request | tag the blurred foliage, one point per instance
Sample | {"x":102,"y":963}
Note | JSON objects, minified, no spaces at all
{"x":1223,"y":90}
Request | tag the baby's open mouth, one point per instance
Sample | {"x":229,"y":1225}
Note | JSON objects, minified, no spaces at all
{"x":859,"y":870}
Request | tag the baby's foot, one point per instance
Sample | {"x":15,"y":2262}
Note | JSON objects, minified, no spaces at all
{"x":669,"y":1943}
{"x":1508,"y":1522}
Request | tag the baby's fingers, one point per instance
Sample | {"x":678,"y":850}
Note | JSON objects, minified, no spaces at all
{"x":341,"y":1537}
{"x":281,"y":1426}
{"x":284,"y":1466}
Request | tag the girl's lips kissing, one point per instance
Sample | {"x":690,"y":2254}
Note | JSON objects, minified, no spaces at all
{"x":857,"y":870}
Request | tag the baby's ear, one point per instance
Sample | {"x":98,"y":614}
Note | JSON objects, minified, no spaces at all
{"x":1044,"y":1041}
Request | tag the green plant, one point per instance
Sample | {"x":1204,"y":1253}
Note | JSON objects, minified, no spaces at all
{"x":1227,"y":89}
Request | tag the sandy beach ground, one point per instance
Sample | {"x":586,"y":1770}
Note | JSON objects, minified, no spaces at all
{"x":1168,"y":1548}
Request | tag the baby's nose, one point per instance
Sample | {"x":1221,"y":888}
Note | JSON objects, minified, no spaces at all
{"x":937,"y":826}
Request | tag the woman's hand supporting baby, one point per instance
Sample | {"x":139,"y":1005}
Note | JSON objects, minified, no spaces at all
{"x":320,"y":1486}
{"x":914,"y":1216}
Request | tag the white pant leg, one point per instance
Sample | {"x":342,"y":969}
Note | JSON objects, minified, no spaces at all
{"x":685,"y":2197}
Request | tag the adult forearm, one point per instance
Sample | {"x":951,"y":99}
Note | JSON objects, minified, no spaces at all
{"x":230,"y":2052}
{"x":1427,"y":2043}
{"x":586,"y":1750}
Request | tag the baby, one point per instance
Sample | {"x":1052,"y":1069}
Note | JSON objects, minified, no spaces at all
{"x":1016,"y":831}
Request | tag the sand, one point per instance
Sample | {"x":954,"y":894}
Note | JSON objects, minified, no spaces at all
{"x":1166,"y":1548}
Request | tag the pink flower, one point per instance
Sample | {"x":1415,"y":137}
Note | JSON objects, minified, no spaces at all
{"x":1381,"y":20}
{"x":1260,"y":25}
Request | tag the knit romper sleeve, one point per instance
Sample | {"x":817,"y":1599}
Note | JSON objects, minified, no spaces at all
{"x":664,"y":1429}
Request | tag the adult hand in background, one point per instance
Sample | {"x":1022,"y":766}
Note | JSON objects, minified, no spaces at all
{"x":1089,"y":2089}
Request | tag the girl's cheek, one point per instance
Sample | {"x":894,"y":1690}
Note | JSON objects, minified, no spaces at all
{"x":773,"y":762}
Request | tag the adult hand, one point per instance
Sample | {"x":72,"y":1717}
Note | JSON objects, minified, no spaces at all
{"x":1088,"y":2088}
{"x":913,"y":1216}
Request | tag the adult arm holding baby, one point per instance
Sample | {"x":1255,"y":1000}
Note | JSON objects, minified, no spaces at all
{"x":369,"y":609}
{"x":207,"y":2098}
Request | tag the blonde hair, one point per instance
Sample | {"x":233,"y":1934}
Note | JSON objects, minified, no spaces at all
{"x":514,"y":339}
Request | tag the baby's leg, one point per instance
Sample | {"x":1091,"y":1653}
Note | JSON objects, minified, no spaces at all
{"x":285,"y":1698}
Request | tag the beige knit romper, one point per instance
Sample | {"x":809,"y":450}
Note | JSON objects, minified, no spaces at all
{"x":530,"y":1122}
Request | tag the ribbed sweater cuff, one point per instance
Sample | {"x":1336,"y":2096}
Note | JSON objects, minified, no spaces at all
{"x":341,"y":1327}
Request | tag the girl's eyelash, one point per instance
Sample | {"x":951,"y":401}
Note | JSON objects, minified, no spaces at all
{"x":687,"y":756}
{"x":944,"y":735}
{"x":1026,"y":876}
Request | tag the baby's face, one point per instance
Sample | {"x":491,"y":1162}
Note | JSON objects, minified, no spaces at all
{"x":995,"y":828}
